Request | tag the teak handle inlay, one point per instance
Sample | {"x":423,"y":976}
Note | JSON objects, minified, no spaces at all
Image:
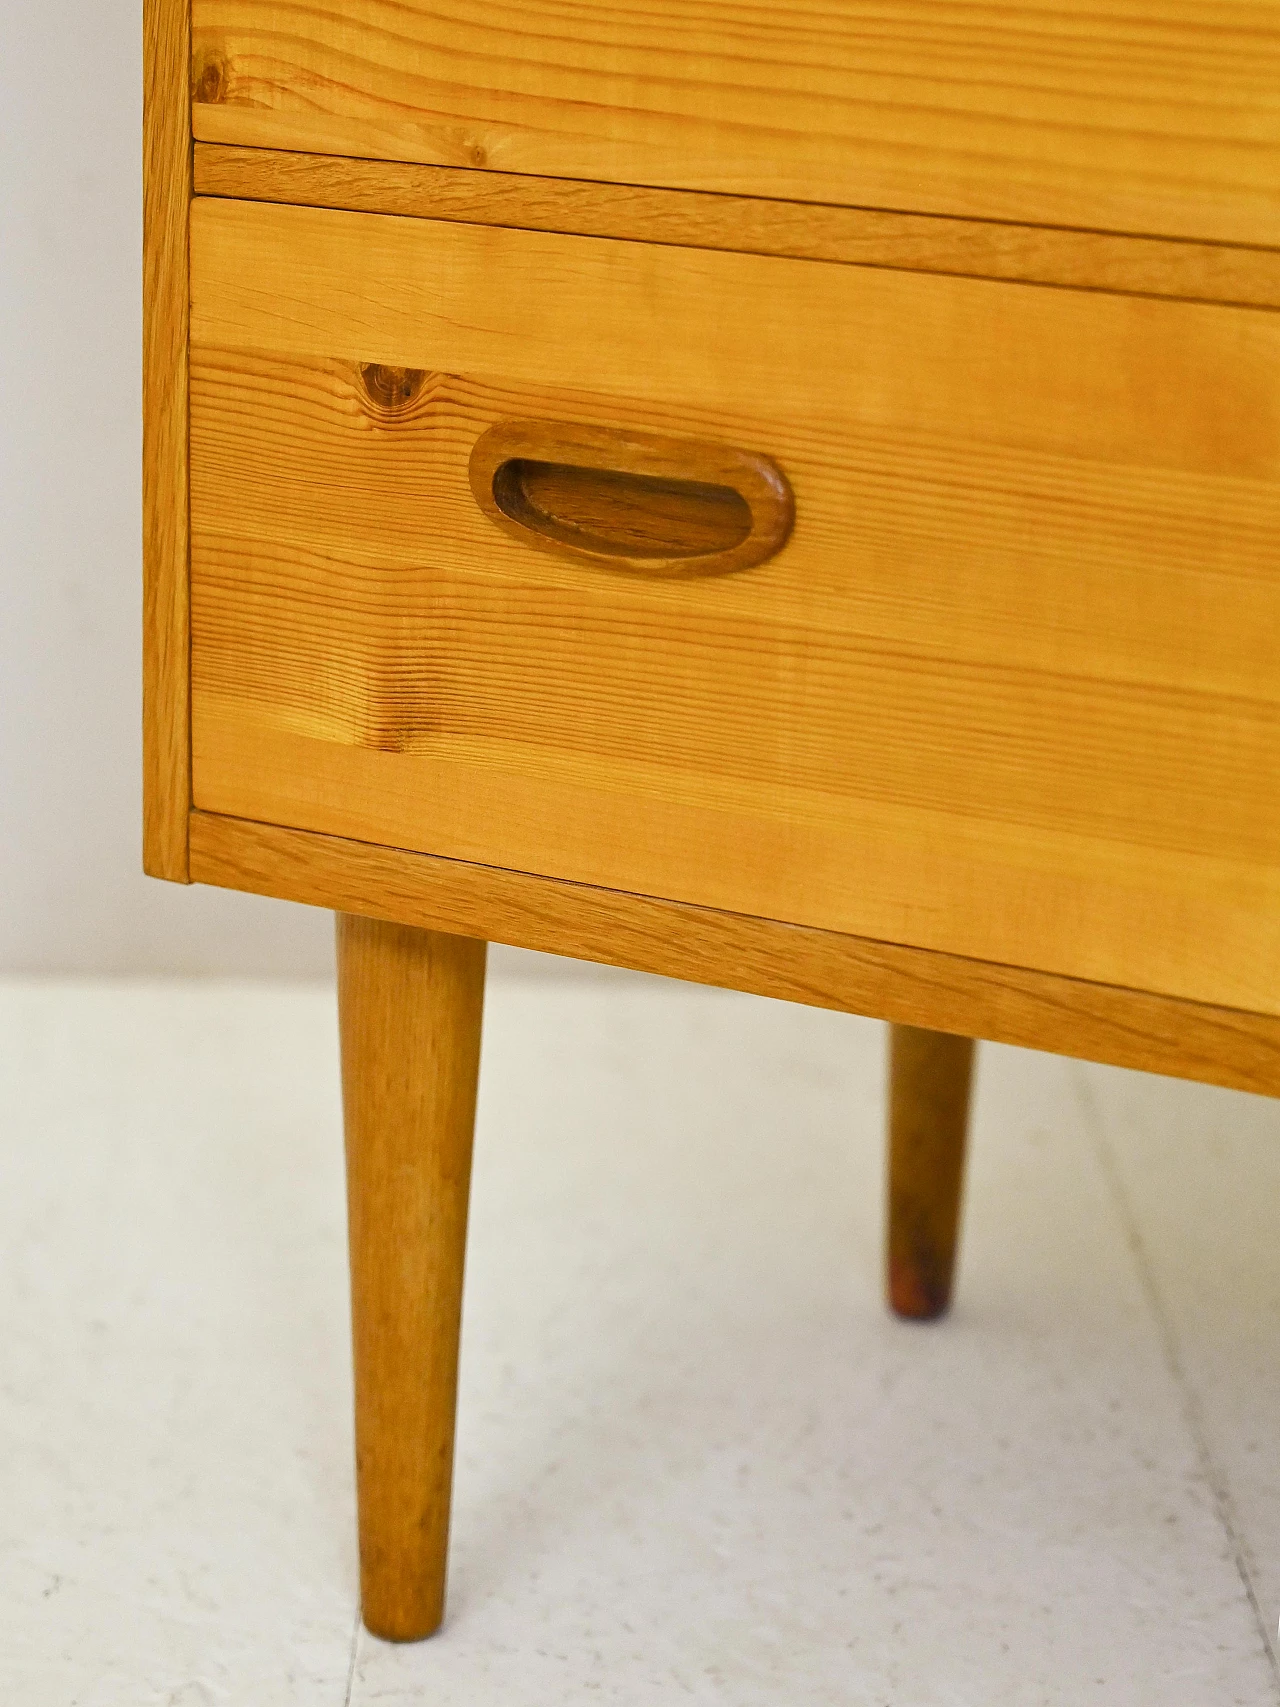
{"x":635,"y":501}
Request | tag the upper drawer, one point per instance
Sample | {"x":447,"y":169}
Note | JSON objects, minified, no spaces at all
{"x":1158,"y":116}
{"x":1011,"y":688}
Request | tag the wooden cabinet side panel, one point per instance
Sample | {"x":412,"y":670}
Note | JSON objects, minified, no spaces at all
{"x":166,"y":738}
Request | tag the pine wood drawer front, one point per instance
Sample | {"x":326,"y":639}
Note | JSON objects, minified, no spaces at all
{"x":1011,"y":689}
{"x":1158,"y":116}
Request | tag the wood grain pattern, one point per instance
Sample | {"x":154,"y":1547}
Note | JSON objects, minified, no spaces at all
{"x":409,"y":1002}
{"x":166,"y":188}
{"x":1086,"y":260}
{"x":1016,"y":669}
{"x":930,"y":1073}
{"x":909,"y":986}
{"x":1151,"y":116}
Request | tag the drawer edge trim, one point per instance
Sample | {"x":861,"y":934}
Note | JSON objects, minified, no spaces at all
{"x":1177,"y":269}
{"x":826,"y":969}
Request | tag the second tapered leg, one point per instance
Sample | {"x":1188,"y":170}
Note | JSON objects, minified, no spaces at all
{"x":410,"y":1006}
{"x":929,"y":1083}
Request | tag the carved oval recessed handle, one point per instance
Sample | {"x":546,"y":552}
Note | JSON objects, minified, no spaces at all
{"x":635,"y":501}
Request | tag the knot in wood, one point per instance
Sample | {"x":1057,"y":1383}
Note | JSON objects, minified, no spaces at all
{"x":210,"y":80}
{"x":390,"y":388}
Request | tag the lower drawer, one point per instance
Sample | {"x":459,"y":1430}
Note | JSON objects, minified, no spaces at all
{"x":1010,"y":687}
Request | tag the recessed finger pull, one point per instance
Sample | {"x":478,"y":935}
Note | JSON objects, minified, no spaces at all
{"x":632,"y":501}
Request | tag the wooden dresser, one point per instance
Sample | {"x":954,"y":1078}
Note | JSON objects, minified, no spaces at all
{"x":783,"y":497}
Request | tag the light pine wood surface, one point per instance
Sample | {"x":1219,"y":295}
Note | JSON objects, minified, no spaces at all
{"x":930,"y":1074}
{"x":409,"y":1004}
{"x":909,"y":986}
{"x":1015,"y":669}
{"x":1132,"y":115}
{"x":166,"y":187}
{"x":977,"y":248}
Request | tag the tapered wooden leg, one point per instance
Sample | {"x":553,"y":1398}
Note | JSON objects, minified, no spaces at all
{"x":929,"y":1079}
{"x":409,"y":1004}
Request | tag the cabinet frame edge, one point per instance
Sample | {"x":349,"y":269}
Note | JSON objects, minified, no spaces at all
{"x":166,"y":621}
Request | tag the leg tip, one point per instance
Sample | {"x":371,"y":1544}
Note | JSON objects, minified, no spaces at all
{"x":916,"y":1295}
{"x":393,"y":1617}
{"x":399,"y":1629}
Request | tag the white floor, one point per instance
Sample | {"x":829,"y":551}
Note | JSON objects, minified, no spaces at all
{"x":698,"y":1463}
